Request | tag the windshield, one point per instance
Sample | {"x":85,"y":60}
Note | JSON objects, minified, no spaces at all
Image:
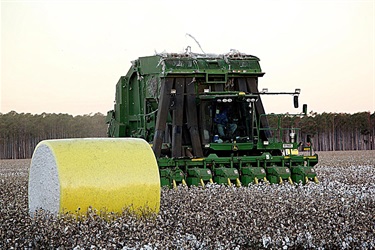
{"x":227,"y":120}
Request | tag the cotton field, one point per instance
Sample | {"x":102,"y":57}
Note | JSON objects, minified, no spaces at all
{"x":337,"y":213}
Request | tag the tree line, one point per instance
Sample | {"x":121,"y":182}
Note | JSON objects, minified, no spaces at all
{"x":340,"y":131}
{"x":21,"y":132}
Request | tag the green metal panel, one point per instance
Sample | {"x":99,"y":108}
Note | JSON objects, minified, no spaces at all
{"x":149,"y":65}
{"x":195,"y":176}
{"x":250,"y":174}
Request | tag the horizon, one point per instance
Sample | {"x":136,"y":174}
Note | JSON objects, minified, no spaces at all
{"x":104,"y":114}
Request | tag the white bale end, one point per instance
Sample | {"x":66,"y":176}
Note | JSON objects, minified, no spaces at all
{"x":44,"y":185}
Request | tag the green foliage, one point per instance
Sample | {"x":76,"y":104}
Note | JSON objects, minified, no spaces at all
{"x":20,"y":133}
{"x":341,"y":131}
{"x":331,"y":131}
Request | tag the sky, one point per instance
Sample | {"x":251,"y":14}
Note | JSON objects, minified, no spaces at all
{"x":67,"y":56}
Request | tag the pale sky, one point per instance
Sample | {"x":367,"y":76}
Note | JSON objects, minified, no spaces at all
{"x":67,"y":56}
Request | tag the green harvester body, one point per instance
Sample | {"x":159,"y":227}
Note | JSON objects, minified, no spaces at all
{"x":171,"y":101}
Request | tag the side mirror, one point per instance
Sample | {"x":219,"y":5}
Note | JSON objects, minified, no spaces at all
{"x":295,"y":101}
{"x":308,"y":139}
{"x":304,"y":109}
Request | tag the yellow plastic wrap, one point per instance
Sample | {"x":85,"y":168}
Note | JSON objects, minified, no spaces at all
{"x":104,"y":173}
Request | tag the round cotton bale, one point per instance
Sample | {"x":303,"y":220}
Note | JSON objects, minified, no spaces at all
{"x":109,"y":174}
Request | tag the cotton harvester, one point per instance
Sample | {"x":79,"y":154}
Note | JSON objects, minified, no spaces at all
{"x":188,"y":119}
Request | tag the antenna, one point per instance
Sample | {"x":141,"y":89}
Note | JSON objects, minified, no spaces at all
{"x":196,"y":42}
